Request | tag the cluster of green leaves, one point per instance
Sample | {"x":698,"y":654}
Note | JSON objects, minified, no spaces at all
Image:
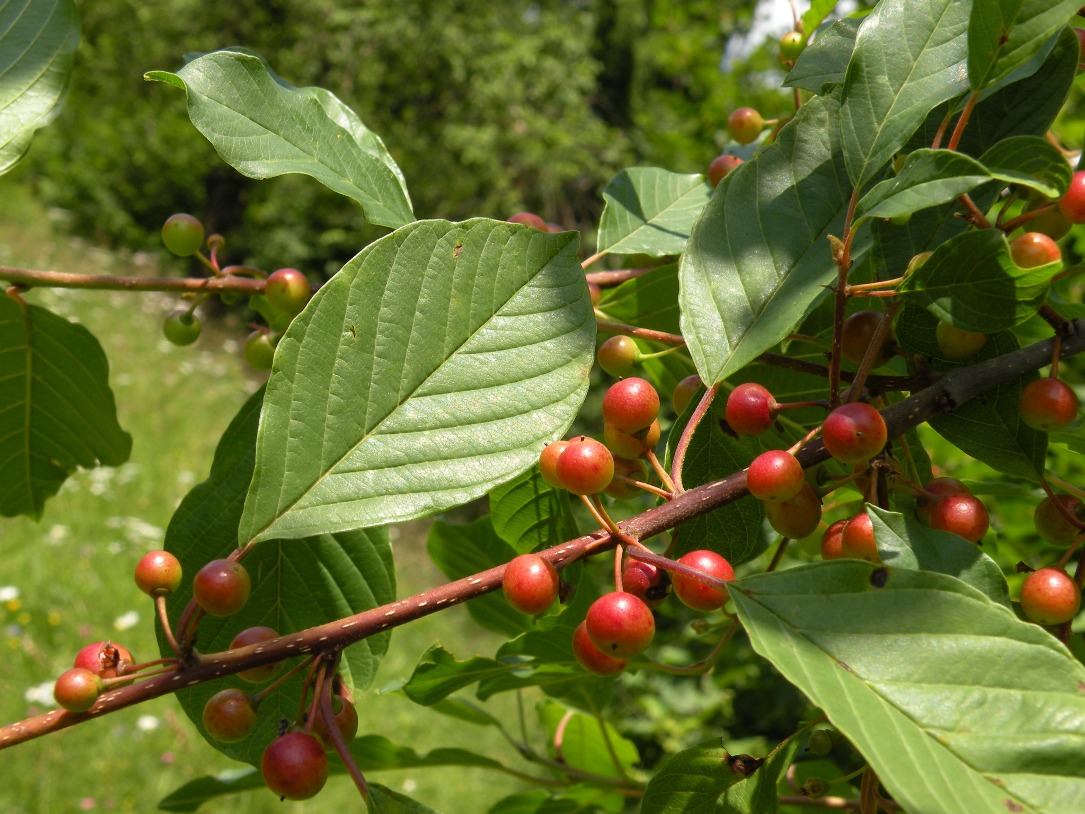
{"x":433,"y":367}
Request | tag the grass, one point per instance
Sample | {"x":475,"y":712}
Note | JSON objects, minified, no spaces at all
{"x":67,"y":579}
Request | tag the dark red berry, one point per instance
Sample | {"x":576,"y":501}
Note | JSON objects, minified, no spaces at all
{"x":857,"y":337}
{"x":645,"y":581}
{"x":1034,"y":249}
{"x":857,"y":539}
{"x":295,"y":766}
{"x":77,"y":689}
{"x":721,"y":167}
{"x":591,"y":658}
{"x":548,"y":462}
{"x":854,"y":432}
{"x":751,"y":409}
{"x":530,"y":219}
{"x":221,"y":587}
{"x":1072,"y":203}
{"x":256,"y":635}
{"x":106,"y":659}
{"x":775,"y":475}
{"x":684,"y":392}
{"x":287,"y":290}
{"x":1050,"y":597}
{"x":630,"y":405}
{"x":585,"y":467}
{"x":229,"y":716}
{"x":1048,"y":404}
{"x":964,"y":515}
{"x":832,"y":541}
{"x":745,"y":125}
{"x":798,"y":517}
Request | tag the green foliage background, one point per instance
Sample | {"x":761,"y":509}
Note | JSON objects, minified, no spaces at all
{"x":488,"y":108}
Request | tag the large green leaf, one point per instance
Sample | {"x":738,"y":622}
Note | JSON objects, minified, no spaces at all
{"x":434,"y":366}
{"x":1003,"y":35}
{"x":264,"y":127}
{"x":824,"y":61}
{"x":588,"y":743}
{"x":56,"y":409}
{"x":348,"y":571}
{"x":528,"y":513}
{"x":461,"y":550}
{"x":909,"y":57}
{"x":932,"y":177}
{"x":959,"y":707}
{"x":758,"y":258}
{"x":37,"y":44}
{"x":647,"y":301}
{"x":650,"y":211}
{"x":907,"y":543}
{"x":972,"y":282}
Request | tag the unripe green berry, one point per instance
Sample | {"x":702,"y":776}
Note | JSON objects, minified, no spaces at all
{"x":181,"y":327}
{"x":182,"y":234}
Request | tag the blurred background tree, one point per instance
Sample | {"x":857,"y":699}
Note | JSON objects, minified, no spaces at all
{"x":488,"y":108}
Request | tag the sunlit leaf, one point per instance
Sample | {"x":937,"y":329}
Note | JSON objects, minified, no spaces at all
{"x":1003,"y":35}
{"x":650,"y":211}
{"x":413,"y":380}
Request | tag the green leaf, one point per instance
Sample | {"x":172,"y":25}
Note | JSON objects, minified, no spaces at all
{"x":746,"y":281}
{"x":588,"y":743}
{"x":57,"y":411}
{"x":438,"y":674}
{"x":906,"y":543}
{"x":412,"y":381}
{"x":372,"y":752}
{"x":1005,"y":34}
{"x":264,"y":127}
{"x":1031,"y":161}
{"x":382,"y":800}
{"x":349,"y":572}
{"x":647,"y":301}
{"x":528,"y":513}
{"x":462,"y":550}
{"x":818,"y":11}
{"x":759,"y":793}
{"x":650,"y":211}
{"x":536,"y":802}
{"x":894,"y":80}
{"x":928,"y":178}
{"x":691,"y":782}
{"x":959,"y":707}
{"x":824,"y":61}
{"x":37,"y":45}
{"x":972,"y":282}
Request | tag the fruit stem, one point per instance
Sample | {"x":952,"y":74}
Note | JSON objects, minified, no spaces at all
{"x":778,"y":554}
{"x":264,"y":692}
{"x":841,"y":253}
{"x":687,"y":434}
{"x":665,"y":478}
{"x":110,"y":282}
{"x":164,"y":622}
{"x":877,"y":341}
{"x":705,"y":664}
{"x":658,"y":353}
{"x":1024,"y":218}
{"x":331,"y":725}
{"x":592,"y":259}
{"x":868,"y":789}
{"x":604,"y":279}
{"x":875,"y":286}
{"x":642,"y":333}
{"x":958,"y":131}
{"x":974,"y":213}
{"x":647,"y":487}
{"x":595,"y":506}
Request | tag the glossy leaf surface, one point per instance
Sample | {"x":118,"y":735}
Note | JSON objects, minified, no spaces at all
{"x":434,"y":366}
{"x":1003,"y":35}
{"x":650,"y":211}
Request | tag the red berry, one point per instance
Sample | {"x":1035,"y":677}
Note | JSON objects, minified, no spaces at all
{"x":530,"y":219}
{"x":751,"y":409}
{"x":346,"y":718}
{"x":857,"y":336}
{"x":857,"y":539}
{"x":956,"y":344}
{"x":618,"y":355}
{"x":963,"y":515}
{"x":229,"y":716}
{"x":934,"y":491}
{"x":745,"y":125}
{"x":626,"y":445}
{"x":287,"y":290}
{"x":158,"y":573}
{"x":854,"y":432}
{"x":1034,"y":249}
{"x":105,"y":659}
{"x":1048,"y":404}
{"x":1051,"y":523}
{"x":645,"y":581}
{"x":832,"y":547}
{"x":1050,"y":597}
{"x":548,"y":462}
{"x":585,"y":467}
{"x":221,"y":587}
{"x":620,"y":624}
{"x":630,"y":405}
{"x":775,"y":475}
{"x":697,"y":594}
{"x":684,"y":392}
{"x":721,"y":167}
{"x":591,"y":658}
{"x":182,"y":234}
{"x":256,"y":635}
{"x":1072,"y":203}
{"x":294,"y":766}
{"x":77,"y":689}
{"x":798,"y":517}
{"x":530,"y":583}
